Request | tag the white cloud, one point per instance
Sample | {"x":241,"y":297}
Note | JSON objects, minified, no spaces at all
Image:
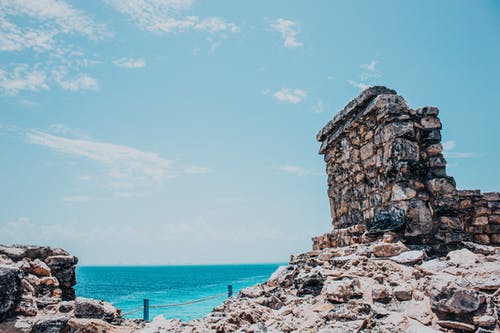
{"x":290,"y":95}
{"x":296,"y":170}
{"x":45,"y":24}
{"x":80,"y":82}
{"x":14,"y":38}
{"x":129,"y":63}
{"x":56,"y":16}
{"x":124,"y":161}
{"x":289,"y":31}
{"x":164,"y":16}
{"x":359,"y":85}
{"x":368,"y":75}
{"x":22,"y":78}
{"x":76,"y":199}
{"x":197,"y":170}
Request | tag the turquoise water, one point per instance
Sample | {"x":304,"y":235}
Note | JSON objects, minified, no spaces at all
{"x":126,"y":287}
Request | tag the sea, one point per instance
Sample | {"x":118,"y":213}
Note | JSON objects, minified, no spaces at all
{"x":127,"y":286}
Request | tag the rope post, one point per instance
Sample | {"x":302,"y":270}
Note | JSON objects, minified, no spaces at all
{"x":229,"y":290}
{"x":146,"y":309}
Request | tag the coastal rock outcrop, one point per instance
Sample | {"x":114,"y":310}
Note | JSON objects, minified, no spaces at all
{"x":408,"y":252}
{"x":361,"y":292}
{"x":37,"y":295}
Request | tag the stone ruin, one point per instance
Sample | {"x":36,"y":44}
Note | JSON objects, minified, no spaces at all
{"x":386,"y":173}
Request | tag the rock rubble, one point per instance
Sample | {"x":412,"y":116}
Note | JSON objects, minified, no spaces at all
{"x":352,"y":289}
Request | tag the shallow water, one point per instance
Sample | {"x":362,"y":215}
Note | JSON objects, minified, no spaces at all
{"x":127,"y":286}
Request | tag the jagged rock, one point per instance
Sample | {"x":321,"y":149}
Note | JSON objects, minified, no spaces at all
{"x":462,"y":257}
{"x":10,"y":290}
{"x":388,"y":249}
{"x":89,"y":308}
{"x":63,"y":268}
{"x":485,"y":321}
{"x":341,"y":291}
{"x":403,"y":293}
{"x":39,"y":268}
{"x":455,"y":300}
{"x":456,"y":325}
{"x":409,"y":257}
{"x":309,"y":284}
{"x":27,"y":307}
{"x":94,"y":309}
{"x":66,"y":306}
{"x":54,"y":324}
{"x":381,"y":293}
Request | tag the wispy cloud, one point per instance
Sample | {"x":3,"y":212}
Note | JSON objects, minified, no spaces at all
{"x":448,"y":151}
{"x":164,"y":16}
{"x":359,"y":85}
{"x":129,"y":63}
{"x":296,"y":170}
{"x":56,"y":16}
{"x":123,"y":161}
{"x":41,"y":36}
{"x":289,"y":95}
{"x":289,"y":31}
{"x":80,"y":82}
{"x":369,"y":73}
{"x":22,"y":78}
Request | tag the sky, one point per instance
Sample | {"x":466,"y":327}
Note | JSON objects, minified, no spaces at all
{"x":151,"y":132}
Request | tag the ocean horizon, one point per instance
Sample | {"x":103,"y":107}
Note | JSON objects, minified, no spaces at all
{"x":127,"y":286}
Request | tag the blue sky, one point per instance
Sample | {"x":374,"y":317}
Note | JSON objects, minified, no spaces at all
{"x":179,"y":131}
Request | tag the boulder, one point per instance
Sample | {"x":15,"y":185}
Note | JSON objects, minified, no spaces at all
{"x":39,"y":268}
{"x":89,"y":308}
{"x":10,"y":290}
{"x":95,"y":309}
{"x":409,"y":257}
{"x":403,"y":292}
{"x":388,"y":249}
{"x":53,"y":324}
{"x":381,"y":293}
{"x":341,"y":291}
{"x":456,"y":300}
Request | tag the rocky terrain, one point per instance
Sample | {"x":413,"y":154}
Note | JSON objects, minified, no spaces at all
{"x":380,"y":287}
{"x":37,"y":295}
{"x":408,"y":252}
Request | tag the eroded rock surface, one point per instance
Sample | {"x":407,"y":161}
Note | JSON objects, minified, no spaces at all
{"x":37,"y":295}
{"x":361,"y":292}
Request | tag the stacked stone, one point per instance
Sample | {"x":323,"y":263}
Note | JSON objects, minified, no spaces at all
{"x":44,"y":277}
{"x":481,"y":215}
{"x":386,"y":172}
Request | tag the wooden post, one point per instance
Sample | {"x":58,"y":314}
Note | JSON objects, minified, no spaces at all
{"x":229,"y":290}
{"x":146,"y":309}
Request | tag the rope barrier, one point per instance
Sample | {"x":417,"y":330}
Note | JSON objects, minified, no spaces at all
{"x":146,"y":307}
{"x":185,"y":303}
{"x":132,"y":312}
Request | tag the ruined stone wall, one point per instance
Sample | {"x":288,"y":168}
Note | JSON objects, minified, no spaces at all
{"x":480,"y":214}
{"x":386,"y":172}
